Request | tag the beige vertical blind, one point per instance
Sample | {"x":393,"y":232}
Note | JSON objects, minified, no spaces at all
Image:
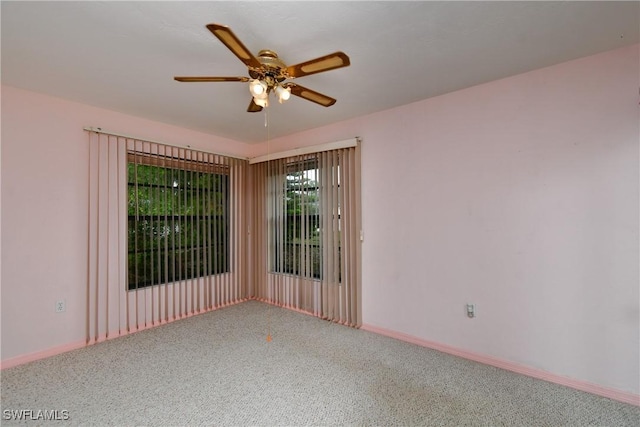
{"x":167,"y":234}
{"x":307,"y":250}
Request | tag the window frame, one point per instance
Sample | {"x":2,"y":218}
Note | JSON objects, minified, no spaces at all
{"x":194,"y":269}
{"x":287,"y":255}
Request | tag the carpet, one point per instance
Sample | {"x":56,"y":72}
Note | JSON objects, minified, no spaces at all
{"x":218,"y":369}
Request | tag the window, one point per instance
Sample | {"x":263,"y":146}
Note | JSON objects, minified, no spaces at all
{"x":167,"y":233}
{"x":178,"y":225}
{"x":297,"y":237}
{"x":306,"y":226}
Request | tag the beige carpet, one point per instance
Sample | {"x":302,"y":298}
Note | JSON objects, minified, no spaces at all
{"x":218,"y":369}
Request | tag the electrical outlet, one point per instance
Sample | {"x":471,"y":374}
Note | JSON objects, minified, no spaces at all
{"x":61,"y":306}
{"x":471,"y":310}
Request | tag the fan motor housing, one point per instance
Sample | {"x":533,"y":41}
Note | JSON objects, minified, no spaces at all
{"x":272,"y":66}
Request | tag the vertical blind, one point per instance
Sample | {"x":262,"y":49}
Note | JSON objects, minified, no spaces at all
{"x":166,"y":234}
{"x":307,"y":250}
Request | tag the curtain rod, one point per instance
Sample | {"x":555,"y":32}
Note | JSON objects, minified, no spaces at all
{"x":347,"y":143}
{"x":105,"y":132}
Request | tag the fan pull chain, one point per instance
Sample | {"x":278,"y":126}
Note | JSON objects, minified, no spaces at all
{"x":266,"y":125}
{"x":269,"y":323}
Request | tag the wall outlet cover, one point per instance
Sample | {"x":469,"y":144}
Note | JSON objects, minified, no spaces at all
{"x":61,"y":306}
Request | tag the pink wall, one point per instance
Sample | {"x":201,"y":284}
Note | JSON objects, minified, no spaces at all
{"x":44,"y":212}
{"x":520,"y":196}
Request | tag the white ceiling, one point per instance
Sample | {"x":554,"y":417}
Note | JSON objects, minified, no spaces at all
{"x":123,"y":55}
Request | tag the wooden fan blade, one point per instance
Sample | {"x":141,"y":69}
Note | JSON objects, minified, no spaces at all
{"x":253,"y":107}
{"x":226,"y":36}
{"x":318,"y":65}
{"x":211,"y":79}
{"x":310,"y":95}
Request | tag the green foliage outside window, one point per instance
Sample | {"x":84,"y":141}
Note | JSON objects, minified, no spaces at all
{"x":301,"y":250}
{"x":178,"y":225}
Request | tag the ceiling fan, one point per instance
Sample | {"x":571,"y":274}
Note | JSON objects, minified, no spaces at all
{"x":268,"y":74}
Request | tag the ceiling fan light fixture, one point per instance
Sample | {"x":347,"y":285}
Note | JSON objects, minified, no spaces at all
{"x":262,"y":102}
{"x":257,"y":87}
{"x":283,"y":93}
